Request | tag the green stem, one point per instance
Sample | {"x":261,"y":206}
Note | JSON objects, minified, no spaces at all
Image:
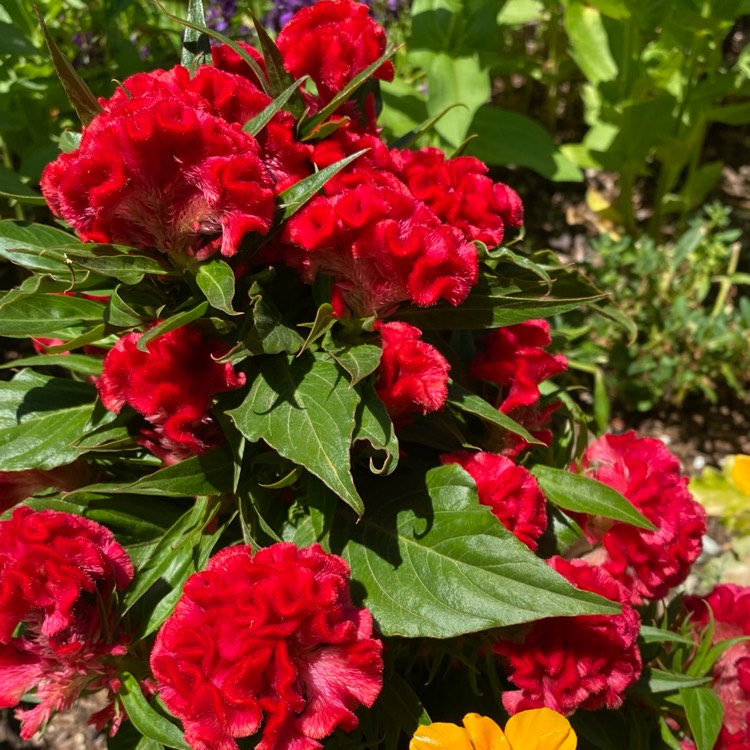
{"x":8,"y":163}
{"x":726,"y":283}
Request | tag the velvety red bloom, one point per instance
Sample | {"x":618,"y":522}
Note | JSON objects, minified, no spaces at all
{"x":460,"y":193}
{"x":163,"y":171}
{"x":412,"y":375}
{"x":172,"y":385}
{"x":58,"y":574}
{"x":509,"y":490}
{"x":225,"y":58}
{"x":649,"y":563}
{"x":332,"y":41}
{"x":566,"y":663}
{"x":267,"y":642}
{"x":730,"y":605}
{"x":380,"y":244}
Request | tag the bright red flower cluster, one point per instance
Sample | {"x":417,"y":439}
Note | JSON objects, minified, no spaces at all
{"x":267,"y":642}
{"x":515,"y":358}
{"x":58,"y":575}
{"x":509,"y":490}
{"x":566,"y":663}
{"x":648,"y":563}
{"x":412,"y":375}
{"x":730,"y":605}
{"x":172,"y":385}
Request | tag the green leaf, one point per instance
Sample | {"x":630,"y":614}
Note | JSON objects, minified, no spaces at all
{"x":216,"y":280}
{"x":589,"y":42}
{"x":657,"y":635}
{"x":582,"y":494}
{"x":435,"y":563}
{"x":79,"y":363}
{"x":39,"y":314}
{"x":11,"y":186}
{"x":147,"y":721}
{"x":374,"y":426}
{"x":294,"y":197}
{"x":660,"y":681}
{"x":270,"y":334}
{"x":324,"y":320}
{"x":470,"y":403}
{"x":170,"y":324}
{"x":705,"y":715}
{"x":70,"y":141}
{"x":344,"y":94}
{"x":257,"y":123}
{"x":34,"y":246}
{"x":303,"y":408}
{"x":359,"y":360}
{"x":505,"y":137}
{"x":92,"y":336}
{"x":122,"y":263}
{"x":195,"y":44}
{"x":207,"y":474}
{"x":13,"y":42}
{"x":40,"y":420}
{"x":279,"y":80}
{"x":82,"y":100}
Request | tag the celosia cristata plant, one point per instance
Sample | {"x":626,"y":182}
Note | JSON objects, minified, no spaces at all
{"x":290,"y":462}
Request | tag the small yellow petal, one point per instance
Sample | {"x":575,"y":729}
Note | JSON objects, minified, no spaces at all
{"x":741,"y":473}
{"x":540,"y":729}
{"x":485,"y":734}
{"x":441,"y":736}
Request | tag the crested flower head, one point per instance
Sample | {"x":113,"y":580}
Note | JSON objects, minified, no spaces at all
{"x":268,"y":642}
{"x":172,"y":385}
{"x":566,"y":663}
{"x":538,"y":728}
{"x":509,"y":490}
{"x":649,"y":563}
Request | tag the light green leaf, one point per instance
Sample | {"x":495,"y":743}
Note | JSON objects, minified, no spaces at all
{"x":304,"y":409}
{"x":589,"y":42}
{"x":70,"y":141}
{"x":147,"y":721}
{"x":170,"y":324}
{"x":660,"y":681}
{"x":470,"y":403}
{"x":505,"y":137}
{"x":582,"y":494}
{"x":359,"y":360}
{"x":434,"y":563}
{"x":216,"y":280}
{"x":79,"y":363}
{"x":39,"y":314}
{"x":705,"y":714}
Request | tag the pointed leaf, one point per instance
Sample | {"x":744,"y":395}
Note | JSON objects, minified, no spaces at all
{"x":69,"y":141}
{"x":82,"y":100}
{"x":585,"y":495}
{"x":80,"y":363}
{"x":147,"y":721}
{"x":705,"y":714}
{"x":359,"y":360}
{"x":34,"y":246}
{"x":303,"y":408}
{"x":435,"y":563}
{"x":294,"y":197}
{"x":270,"y":334}
{"x":170,"y":324}
{"x":195,"y":45}
{"x":40,"y":314}
{"x":216,"y":280}
{"x":654,"y":680}
{"x":120,"y":263}
{"x":375,"y":426}
{"x":470,"y":403}
{"x":265,"y":116}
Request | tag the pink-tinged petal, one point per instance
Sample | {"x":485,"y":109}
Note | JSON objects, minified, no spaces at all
{"x":20,"y":670}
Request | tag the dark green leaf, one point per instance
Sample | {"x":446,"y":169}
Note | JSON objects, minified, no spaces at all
{"x":11,"y":186}
{"x":93,"y":335}
{"x":74,"y":362}
{"x":83,"y":101}
{"x":216,"y":280}
{"x":124,"y":264}
{"x":119,"y":313}
{"x":170,"y":324}
{"x":13,"y":42}
{"x":470,"y":403}
{"x":270,"y":334}
{"x":434,"y":563}
{"x":195,"y":44}
{"x":294,"y":197}
{"x":147,"y":721}
{"x":705,"y":714}
{"x":278,"y":78}
{"x":34,"y":246}
{"x":39,"y":314}
{"x":304,"y":409}
{"x":324,"y":320}
{"x":265,"y":116}
{"x":359,"y":360}
{"x":585,"y":495}
{"x":375,"y":426}
{"x":660,"y":681}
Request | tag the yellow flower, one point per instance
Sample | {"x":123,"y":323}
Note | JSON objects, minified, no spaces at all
{"x":740,"y":471}
{"x":537,"y":729}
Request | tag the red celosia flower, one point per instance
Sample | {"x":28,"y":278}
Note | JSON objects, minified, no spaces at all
{"x":730,"y":605}
{"x":172,"y":386}
{"x":649,"y":563}
{"x":333,"y":41}
{"x":225,"y":58}
{"x":380,"y":244}
{"x":510,"y":490}
{"x":58,"y":574}
{"x":413,"y":375}
{"x":461,"y":194}
{"x":566,"y":663}
{"x":162,"y":171}
{"x":269,"y":639}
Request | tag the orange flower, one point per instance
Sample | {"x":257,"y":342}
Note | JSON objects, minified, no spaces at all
{"x":536,"y":729}
{"x":740,"y":470}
